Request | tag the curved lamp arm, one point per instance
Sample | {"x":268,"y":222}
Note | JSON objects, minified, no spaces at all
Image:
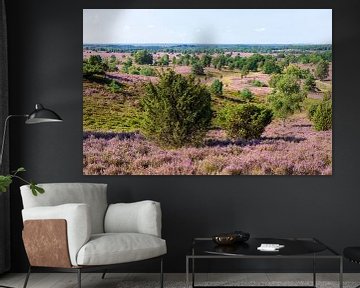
{"x":4,"y":134}
{"x":39,"y":115}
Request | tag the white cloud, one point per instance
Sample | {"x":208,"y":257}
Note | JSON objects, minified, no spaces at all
{"x":261,"y":29}
{"x":151,"y":26}
{"x":126,"y":28}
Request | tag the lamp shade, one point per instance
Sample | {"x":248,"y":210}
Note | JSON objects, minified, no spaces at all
{"x":42,"y":115}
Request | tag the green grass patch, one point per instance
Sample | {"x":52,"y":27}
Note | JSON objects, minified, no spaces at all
{"x":308,"y":102}
{"x":323,"y":86}
{"x":108,"y":113}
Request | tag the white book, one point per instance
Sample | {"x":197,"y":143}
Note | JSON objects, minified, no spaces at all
{"x":270,"y":247}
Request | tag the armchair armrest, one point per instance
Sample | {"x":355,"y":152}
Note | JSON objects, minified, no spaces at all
{"x":77,"y":217}
{"x":138,"y":217}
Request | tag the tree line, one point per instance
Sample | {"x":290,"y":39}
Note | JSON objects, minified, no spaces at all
{"x":210,"y":48}
{"x":267,"y":63}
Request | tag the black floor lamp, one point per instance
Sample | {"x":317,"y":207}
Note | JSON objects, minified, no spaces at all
{"x":39,"y":115}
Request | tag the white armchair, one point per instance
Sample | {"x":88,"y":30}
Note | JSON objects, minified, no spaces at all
{"x":72,"y":228}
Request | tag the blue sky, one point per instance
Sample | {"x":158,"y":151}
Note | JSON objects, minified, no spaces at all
{"x":208,"y":26}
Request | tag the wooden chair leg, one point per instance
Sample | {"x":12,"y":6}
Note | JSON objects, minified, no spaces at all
{"x":27,"y":277}
{"x":79,"y":277}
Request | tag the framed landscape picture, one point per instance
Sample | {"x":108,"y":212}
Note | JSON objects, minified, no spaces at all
{"x":168,"y":92}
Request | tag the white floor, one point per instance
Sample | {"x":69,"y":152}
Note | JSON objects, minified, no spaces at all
{"x":114,"y":280}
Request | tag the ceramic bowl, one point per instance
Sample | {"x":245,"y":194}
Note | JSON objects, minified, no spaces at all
{"x":225,"y":239}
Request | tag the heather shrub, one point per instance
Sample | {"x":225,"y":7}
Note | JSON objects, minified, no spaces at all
{"x":212,"y":165}
{"x":246,"y":121}
{"x":177,"y":111}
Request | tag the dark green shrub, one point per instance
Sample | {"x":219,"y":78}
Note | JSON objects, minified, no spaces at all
{"x":295,"y":71}
{"x":287,"y":95}
{"x":177,"y":111}
{"x":321,"y":115}
{"x":327,"y":95}
{"x":197,"y":69}
{"x":288,"y":84}
{"x":114,"y":87}
{"x":258,"y":83}
{"x":112,"y":67}
{"x":246,"y":121}
{"x":143,"y":57}
{"x":322,"y":70}
{"x":274,"y":80}
{"x":164,"y":60}
{"x":206,"y":60}
{"x":126,"y":65}
{"x":246,"y":95}
{"x":134,"y":70}
{"x":309,"y":83}
{"x":147,"y":71}
{"x":311,"y":111}
{"x":94,"y":66}
{"x":285,"y":105}
{"x":112,"y":62}
{"x":270,"y":67}
{"x":217,"y":87}
{"x":95,"y":59}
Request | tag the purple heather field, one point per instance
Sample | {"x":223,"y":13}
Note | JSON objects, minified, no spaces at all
{"x":293,"y":149}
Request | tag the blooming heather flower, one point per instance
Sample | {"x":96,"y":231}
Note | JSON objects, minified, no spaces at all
{"x":294,"y":149}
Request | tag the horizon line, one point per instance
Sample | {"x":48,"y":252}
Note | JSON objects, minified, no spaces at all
{"x":188,"y":43}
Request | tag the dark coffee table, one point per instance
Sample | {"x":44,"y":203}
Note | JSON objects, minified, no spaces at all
{"x":295,"y":248}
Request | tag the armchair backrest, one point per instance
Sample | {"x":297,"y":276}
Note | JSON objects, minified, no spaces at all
{"x":92,"y":194}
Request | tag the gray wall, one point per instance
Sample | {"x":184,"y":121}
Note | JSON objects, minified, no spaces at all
{"x":45,"y":49}
{"x":4,"y":166}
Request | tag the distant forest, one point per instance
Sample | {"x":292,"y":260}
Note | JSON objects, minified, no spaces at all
{"x":212,"y":48}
